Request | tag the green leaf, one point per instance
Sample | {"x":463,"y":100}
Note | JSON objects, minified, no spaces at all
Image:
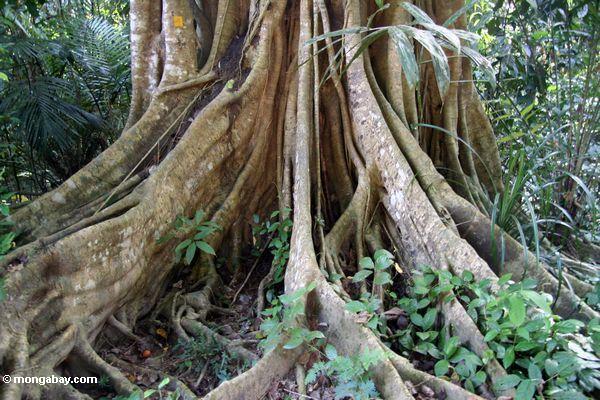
{"x":163,"y":383}
{"x":448,"y":36}
{"x":361,"y":275}
{"x":416,"y":319}
{"x":293,"y":342}
{"x":441,"y":367}
{"x":419,"y":15}
{"x":438,"y":57}
{"x":3,"y":77}
{"x":2,"y":289}
{"x":330,"y":352}
{"x":366,"y":263}
{"x":526,"y":390}
{"x":429,"y":318}
{"x":382,"y":278}
{"x":534,"y":372}
{"x":538,"y":299}
{"x":482,"y":63}
{"x":189,"y":253}
{"x":506,"y":382}
{"x":406,"y":54}
{"x":491,"y":335}
{"x":355,"y":306}
{"x":205,"y":247}
{"x":509,"y":357}
{"x":504,"y":279}
{"x":516,"y":311}
{"x":183,"y":245}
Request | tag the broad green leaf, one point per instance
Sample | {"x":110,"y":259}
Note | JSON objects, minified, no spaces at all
{"x":516,"y":311}
{"x":429,"y":318}
{"x":183,"y":245}
{"x":366,"y":263}
{"x":330,"y":352}
{"x":416,"y":319}
{"x":361,"y":275}
{"x":491,"y":335}
{"x":293,"y":342}
{"x":534,"y":372}
{"x":526,"y":390}
{"x":506,"y":382}
{"x":382,"y":278}
{"x":355,"y":306}
{"x":509,"y":357}
{"x":441,"y":367}
{"x":383,"y":253}
{"x":189,"y":253}
{"x":205,"y":247}
{"x":504,"y":279}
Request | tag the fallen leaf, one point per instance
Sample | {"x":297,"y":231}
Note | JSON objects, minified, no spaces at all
{"x":162,"y":333}
{"x":397,"y":267}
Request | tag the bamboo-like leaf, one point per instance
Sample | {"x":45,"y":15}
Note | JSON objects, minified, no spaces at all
{"x":419,"y":15}
{"x":406,"y":54}
{"x":469,"y":37}
{"x":340,"y":32}
{"x":459,"y":13}
{"x":438,"y":57}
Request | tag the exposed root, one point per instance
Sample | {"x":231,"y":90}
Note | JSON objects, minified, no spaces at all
{"x":197,"y":328}
{"x":254,"y":383}
{"x":174,"y":385}
{"x":87,"y":354}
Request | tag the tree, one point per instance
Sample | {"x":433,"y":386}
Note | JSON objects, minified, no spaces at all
{"x":231,"y":114}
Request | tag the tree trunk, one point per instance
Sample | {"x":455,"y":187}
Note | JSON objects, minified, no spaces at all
{"x":229,"y":115}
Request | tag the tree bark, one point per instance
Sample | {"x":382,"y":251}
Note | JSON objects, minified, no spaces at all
{"x":229,"y":115}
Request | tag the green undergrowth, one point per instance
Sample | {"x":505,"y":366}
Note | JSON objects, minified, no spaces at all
{"x":7,"y":235}
{"x":273,"y":234}
{"x":195,"y":230}
{"x":348,"y":375}
{"x":544,"y":355}
{"x":205,"y":353}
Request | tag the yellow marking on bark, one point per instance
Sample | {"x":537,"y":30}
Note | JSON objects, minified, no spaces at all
{"x":178,"y":21}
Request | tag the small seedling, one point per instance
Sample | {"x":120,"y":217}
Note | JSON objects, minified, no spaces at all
{"x":196,"y":230}
{"x":350,"y":375}
{"x":283,"y":325}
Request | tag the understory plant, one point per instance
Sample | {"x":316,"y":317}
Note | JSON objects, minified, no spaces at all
{"x":349,"y":375}
{"x":7,"y":236}
{"x":368,"y":305}
{"x":284,"y":325}
{"x":541,"y":352}
{"x":273,"y":234}
{"x":151,"y":393}
{"x":196,"y":230}
{"x":203,"y":352}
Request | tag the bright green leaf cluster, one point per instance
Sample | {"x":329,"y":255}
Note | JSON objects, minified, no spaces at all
{"x":197,"y":230}
{"x":350,"y":375}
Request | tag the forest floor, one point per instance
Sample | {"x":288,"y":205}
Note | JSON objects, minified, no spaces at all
{"x":202,"y":363}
